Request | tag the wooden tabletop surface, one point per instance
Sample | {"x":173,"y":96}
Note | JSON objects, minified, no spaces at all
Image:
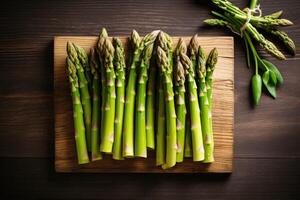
{"x":266,"y":140}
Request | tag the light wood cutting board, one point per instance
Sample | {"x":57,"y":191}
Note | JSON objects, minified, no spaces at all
{"x":223,"y":115}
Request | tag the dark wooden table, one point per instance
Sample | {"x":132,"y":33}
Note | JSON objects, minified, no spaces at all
{"x":266,"y":151}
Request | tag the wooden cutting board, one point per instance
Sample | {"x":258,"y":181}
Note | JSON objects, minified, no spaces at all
{"x":223,"y":115}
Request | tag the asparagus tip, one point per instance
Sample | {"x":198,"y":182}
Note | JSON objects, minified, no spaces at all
{"x":103,"y":33}
{"x":193,"y":46}
{"x":135,"y":38}
{"x":181,"y":47}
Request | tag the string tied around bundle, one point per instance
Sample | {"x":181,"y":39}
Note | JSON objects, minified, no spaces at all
{"x":250,"y":12}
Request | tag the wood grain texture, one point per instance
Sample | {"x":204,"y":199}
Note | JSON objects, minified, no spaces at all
{"x":266,"y":139}
{"x":65,"y":154}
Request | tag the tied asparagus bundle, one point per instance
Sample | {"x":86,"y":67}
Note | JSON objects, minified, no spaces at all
{"x":246,"y":24}
{"x":119,"y":109}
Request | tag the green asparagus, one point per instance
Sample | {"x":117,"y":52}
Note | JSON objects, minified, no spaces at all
{"x":166,"y":70}
{"x":119,"y":62}
{"x":100,"y":45}
{"x":205,"y":72}
{"x":180,"y":109}
{"x":140,"y":116}
{"x":95,"y":133}
{"x":247,"y":24}
{"x":128,"y":128}
{"x":107,"y":55}
{"x":82,"y":154}
{"x":84,"y":91}
{"x":196,"y":132}
{"x":150,"y":105}
{"x":161,"y":126}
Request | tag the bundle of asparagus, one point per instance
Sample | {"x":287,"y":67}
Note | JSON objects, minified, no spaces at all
{"x":246,"y":24}
{"x":115,"y":116}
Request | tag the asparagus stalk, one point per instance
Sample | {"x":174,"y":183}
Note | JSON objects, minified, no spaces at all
{"x":208,"y":134}
{"x":166,"y":70}
{"x":281,"y":35}
{"x":210,"y":67}
{"x":107,"y":55}
{"x":119,"y":62}
{"x":193,"y":50}
{"x":205,"y":107}
{"x":181,"y":48}
{"x":95,"y":146}
{"x":82,"y":154}
{"x":140,"y":116}
{"x":188,"y":137}
{"x":196,"y":132}
{"x":161,"y":126}
{"x":180,"y":109}
{"x":84,"y":60}
{"x":84,"y":91}
{"x":100,"y":45}
{"x":150,"y":106}
{"x":196,"y":50}
{"x":179,"y":79}
{"x":128,"y":128}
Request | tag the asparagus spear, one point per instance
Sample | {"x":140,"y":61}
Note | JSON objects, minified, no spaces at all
{"x":100,"y":45}
{"x":140,"y":116}
{"x":166,"y":70}
{"x":188,"y":137}
{"x":107,"y":55}
{"x":205,"y":107}
{"x":95,"y":146}
{"x":210,"y":67}
{"x":84,"y":91}
{"x":205,"y":111}
{"x":180,"y":109}
{"x":84,"y":60}
{"x":130,"y":97}
{"x":281,"y":35}
{"x":196,"y":132}
{"x":80,"y":139}
{"x":128,"y":128}
{"x":150,"y":106}
{"x":161,"y":126}
{"x":120,"y":65}
{"x":239,"y":14}
{"x":179,"y":79}
{"x":193,"y":50}
{"x":208,"y":133}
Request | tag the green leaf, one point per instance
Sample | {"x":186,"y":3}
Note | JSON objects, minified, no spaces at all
{"x":268,"y":84}
{"x":274,"y":69}
{"x":273,"y":78}
{"x":266,"y":76}
{"x":256,"y":88}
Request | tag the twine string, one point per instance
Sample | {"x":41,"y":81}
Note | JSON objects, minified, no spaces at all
{"x":256,"y":11}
